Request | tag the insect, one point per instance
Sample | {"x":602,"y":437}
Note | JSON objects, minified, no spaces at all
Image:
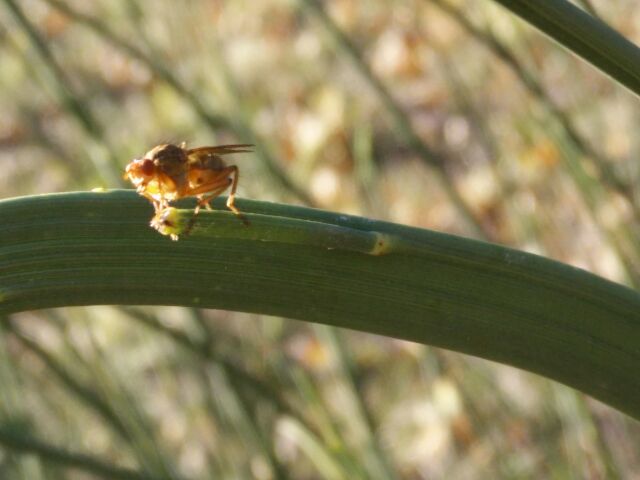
{"x":169,"y":172}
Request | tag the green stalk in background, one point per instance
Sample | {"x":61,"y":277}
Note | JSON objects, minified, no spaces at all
{"x":536,"y":89}
{"x":428,"y":287}
{"x":400,"y":120}
{"x":15,"y":439}
{"x":68,"y":97}
{"x":584,"y":35}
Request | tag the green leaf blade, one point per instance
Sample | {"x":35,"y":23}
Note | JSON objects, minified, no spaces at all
{"x":455,"y":293}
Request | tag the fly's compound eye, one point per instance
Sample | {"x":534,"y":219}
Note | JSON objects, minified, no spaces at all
{"x":147,"y":167}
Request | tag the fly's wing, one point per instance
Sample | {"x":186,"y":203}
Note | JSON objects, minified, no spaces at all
{"x":222,"y":149}
{"x":210,"y":157}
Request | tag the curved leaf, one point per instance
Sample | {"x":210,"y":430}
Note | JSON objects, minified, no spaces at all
{"x":428,"y":287}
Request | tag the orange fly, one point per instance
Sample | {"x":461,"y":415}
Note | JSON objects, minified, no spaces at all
{"x":169,"y":172}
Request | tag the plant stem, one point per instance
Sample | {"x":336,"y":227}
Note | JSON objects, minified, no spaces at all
{"x":13,"y":441}
{"x":584,"y":35}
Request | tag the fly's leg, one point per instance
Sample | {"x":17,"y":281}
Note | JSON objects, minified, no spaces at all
{"x":233,"y":181}
{"x":228,"y":177}
{"x":225,"y":178}
{"x":234,"y":185}
{"x":157,"y":204}
{"x":203,"y":200}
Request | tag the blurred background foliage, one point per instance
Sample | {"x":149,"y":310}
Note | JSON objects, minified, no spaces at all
{"x":443,"y":114}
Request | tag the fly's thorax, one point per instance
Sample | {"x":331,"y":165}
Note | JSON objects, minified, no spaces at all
{"x":169,"y":159}
{"x":166,"y":155}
